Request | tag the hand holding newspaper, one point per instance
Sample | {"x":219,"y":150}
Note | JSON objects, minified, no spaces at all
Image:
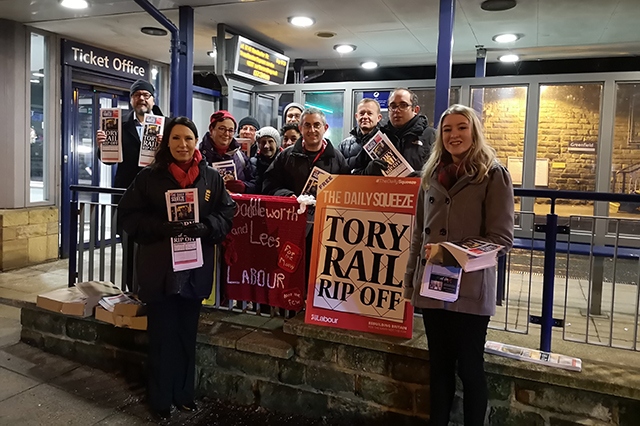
{"x":471,"y":255}
{"x":380,"y":147}
{"x":182,"y":206}
{"x":111,"y":125}
{"x":153,"y":127}
{"x":227,"y":169}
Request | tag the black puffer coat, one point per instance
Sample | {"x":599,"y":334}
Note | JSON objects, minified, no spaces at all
{"x":351,"y":149}
{"x":143,"y":210}
{"x":259,"y":166}
{"x":290,"y":170}
{"x":414,"y":140}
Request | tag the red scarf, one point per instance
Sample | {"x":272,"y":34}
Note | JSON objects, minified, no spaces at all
{"x":186,"y":173}
{"x":448,"y":174}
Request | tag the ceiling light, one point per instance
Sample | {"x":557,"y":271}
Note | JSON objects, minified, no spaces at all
{"x":35,"y":80}
{"x":301,"y":21}
{"x":344,"y":48}
{"x":154,"y":31}
{"x":74,"y":4}
{"x":37,"y":74}
{"x":509,"y":58}
{"x":498,"y":5}
{"x":505,"y":38}
{"x":212,"y":53}
{"x":369,"y":65}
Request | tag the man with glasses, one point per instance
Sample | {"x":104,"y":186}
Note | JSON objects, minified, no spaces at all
{"x":142,"y":101}
{"x":407,"y":130}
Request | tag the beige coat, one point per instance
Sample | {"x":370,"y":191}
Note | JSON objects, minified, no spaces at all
{"x":485,"y":211}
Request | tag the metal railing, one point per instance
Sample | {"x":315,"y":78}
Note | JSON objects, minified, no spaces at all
{"x":598,"y":256}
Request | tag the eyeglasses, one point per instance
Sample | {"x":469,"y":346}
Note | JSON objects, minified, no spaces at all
{"x":402,"y":106}
{"x":225,"y":130}
{"x":144,"y":95}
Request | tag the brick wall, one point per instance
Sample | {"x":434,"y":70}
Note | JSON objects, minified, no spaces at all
{"x":345,"y":377}
{"x":28,"y":236}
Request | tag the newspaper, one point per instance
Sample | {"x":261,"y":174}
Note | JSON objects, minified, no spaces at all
{"x":111,"y":125}
{"x":109,"y":302}
{"x":227,"y":169}
{"x":471,"y":255}
{"x":245,"y":145}
{"x":153,"y":127}
{"x":311,"y":185}
{"x":533,"y":355}
{"x":441,"y":282}
{"x":182,"y":206}
{"x":380,"y":147}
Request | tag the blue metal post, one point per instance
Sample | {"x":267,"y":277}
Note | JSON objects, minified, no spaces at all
{"x":185,"y":69}
{"x":68,"y":163}
{"x":444,"y":60}
{"x":546,"y":331}
{"x":501,"y":279}
{"x":73,"y":238}
{"x":481,"y":63}
{"x":175,"y":51}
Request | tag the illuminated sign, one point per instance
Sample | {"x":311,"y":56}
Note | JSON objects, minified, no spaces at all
{"x":260,"y":63}
{"x":96,"y":59}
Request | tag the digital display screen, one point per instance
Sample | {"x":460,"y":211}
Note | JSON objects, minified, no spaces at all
{"x":259,"y":63}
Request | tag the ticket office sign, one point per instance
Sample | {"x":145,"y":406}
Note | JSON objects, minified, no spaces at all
{"x":360,"y":250}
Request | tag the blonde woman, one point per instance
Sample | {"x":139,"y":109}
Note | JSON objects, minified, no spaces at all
{"x":465,"y":193}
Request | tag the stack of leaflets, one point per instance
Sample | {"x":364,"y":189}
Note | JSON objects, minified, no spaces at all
{"x":153,"y":127}
{"x":533,"y":355}
{"x":380,"y":147}
{"x":109,"y":302}
{"x":227,"y":169}
{"x":182,"y":206}
{"x":447,"y":262}
{"x":111,"y":125}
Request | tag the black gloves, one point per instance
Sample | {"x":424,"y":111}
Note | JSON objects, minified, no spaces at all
{"x":196,"y":230}
{"x":375,"y":168}
{"x":171,"y":229}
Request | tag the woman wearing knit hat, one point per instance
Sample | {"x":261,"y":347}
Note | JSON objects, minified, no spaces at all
{"x":218,"y":144}
{"x":268,"y":142}
{"x":292,"y":112}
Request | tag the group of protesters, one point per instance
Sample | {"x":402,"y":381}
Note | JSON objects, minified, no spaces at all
{"x":464,"y":193}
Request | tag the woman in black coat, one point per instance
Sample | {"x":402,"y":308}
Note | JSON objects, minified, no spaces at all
{"x":174,"y":298}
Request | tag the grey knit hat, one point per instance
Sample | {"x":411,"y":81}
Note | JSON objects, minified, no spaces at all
{"x":291,"y":105}
{"x":270,"y":132}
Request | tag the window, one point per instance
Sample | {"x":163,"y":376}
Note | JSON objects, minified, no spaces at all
{"x":331,"y":104}
{"x":38,"y":135}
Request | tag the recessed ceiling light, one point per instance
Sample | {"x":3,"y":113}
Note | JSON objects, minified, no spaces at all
{"x":301,"y":21}
{"x":35,"y":80}
{"x":344,"y":48}
{"x":509,"y":58}
{"x":506,"y":38}
{"x":154,"y":31}
{"x":74,"y":4}
{"x":498,"y":5}
{"x":37,"y":74}
{"x":325,"y":34}
{"x":212,"y":53}
{"x":369,"y":65}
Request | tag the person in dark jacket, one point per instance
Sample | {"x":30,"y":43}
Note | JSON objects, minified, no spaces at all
{"x":409,"y":131}
{"x":368,"y":117}
{"x":268,"y":142}
{"x":290,"y":170}
{"x":247,"y":128}
{"x":174,"y":298}
{"x":142,"y":101}
{"x":218,"y":144}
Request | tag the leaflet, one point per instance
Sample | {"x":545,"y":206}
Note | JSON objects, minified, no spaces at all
{"x":316,"y":176}
{"x":532,"y":355}
{"x":153,"y":127}
{"x":182,"y":206}
{"x":441,"y":282}
{"x":111,"y":125}
{"x":245,"y":145}
{"x":227,"y":169}
{"x":471,"y":255}
{"x":380,"y":147}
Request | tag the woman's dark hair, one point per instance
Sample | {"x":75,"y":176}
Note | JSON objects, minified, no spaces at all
{"x":289,"y":126}
{"x":163,"y":155}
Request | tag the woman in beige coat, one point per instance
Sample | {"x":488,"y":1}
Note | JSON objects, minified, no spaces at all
{"x":465,"y":194}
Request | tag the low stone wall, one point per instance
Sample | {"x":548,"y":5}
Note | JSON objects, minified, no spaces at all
{"x":28,"y":236}
{"x":346,"y":377}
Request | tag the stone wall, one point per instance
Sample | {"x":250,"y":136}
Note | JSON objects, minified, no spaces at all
{"x":348,"y":378}
{"x":28,"y":236}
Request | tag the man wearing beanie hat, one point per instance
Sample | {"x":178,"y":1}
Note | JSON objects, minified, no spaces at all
{"x":269,"y":146}
{"x":247,"y":129}
{"x":142,"y":100}
{"x":292,"y":112}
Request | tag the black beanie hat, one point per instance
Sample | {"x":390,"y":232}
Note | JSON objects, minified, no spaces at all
{"x":250,"y":121}
{"x":142,"y":85}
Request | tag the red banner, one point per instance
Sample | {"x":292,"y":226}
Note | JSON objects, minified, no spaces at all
{"x":361,"y":240}
{"x":264,"y":253}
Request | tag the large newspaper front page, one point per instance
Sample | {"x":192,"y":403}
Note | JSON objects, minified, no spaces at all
{"x":153,"y":127}
{"x":182,"y":206}
{"x":111,"y":125}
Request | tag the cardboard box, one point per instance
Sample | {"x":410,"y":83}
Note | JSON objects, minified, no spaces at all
{"x":68,"y":301}
{"x":129,"y":309}
{"x":133,"y":322}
